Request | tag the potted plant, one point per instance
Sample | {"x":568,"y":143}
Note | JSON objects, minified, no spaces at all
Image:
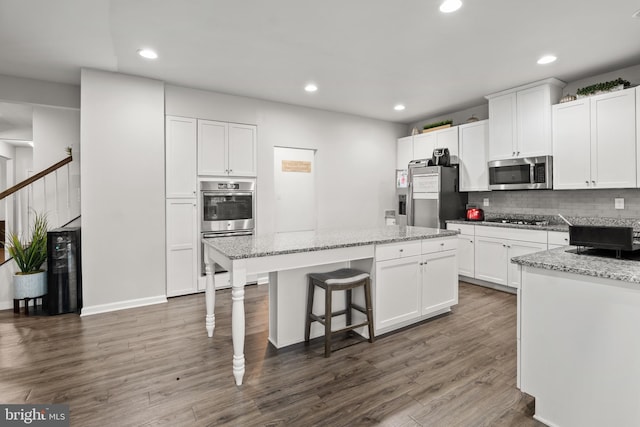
{"x":31,"y":280}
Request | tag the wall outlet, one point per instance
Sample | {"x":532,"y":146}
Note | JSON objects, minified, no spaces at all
{"x":485,"y":202}
{"x":618,"y":203}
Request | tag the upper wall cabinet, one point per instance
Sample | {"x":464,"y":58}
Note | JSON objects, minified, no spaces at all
{"x":226,"y":149}
{"x":425,"y":143}
{"x":180,"y":157}
{"x":474,"y":146}
{"x":520,"y":120}
{"x":404,"y":152}
{"x":594,"y":142}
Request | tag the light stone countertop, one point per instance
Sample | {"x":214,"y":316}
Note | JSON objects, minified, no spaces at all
{"x":561,"y":260}
{"x":550,"y":227}
{"x":306,"y":241}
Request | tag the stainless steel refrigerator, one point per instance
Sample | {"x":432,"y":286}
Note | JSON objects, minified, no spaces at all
{"x":434,"y":195}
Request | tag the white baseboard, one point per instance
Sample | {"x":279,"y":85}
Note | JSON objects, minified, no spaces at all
{"x":122,"y":305}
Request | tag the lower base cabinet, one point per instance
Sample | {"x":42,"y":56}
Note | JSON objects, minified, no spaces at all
{"x":182,"y":243}
{"x":414,"y":286}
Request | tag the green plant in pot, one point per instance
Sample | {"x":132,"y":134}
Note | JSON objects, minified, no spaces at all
{"x":31,"y":280}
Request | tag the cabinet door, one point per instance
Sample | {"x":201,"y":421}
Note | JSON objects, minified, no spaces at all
{"x":613,"y":143}
{"x":448,"y":138}
{"x":491,"y":260}
{"x":242,"y":150}
{"x":182,"y":265}
{"x":423,"y":145}
{"x":502,"y":126}
{"x":474,"y":148}
{"x":518,"y":248}
{"x":572,"y":145}
{"x":404,"y":150}
{"x":439,"y":281}
{"x":180,"y":157}
{"x":212,"y":148}
{"x":466,"y":255}
{"x":397,"y":291}
{"x":533,"y":122}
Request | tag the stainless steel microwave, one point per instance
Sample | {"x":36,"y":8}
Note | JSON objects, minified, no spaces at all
{"x":527,"y":173}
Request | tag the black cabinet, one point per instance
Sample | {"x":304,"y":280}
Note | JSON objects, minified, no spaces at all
{"x":64,"y":271}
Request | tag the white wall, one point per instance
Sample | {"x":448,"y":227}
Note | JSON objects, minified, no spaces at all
{"x":39,"y":92}
{"x":55,"y":129}
{"x":632,"y":74}
{"x":123,"y":199}
{"x":355,"y":158}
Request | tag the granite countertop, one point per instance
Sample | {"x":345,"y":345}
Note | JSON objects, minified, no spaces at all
{"x":550,"y":227}
{"x":306,"y":241}
{"x":561,"y":260}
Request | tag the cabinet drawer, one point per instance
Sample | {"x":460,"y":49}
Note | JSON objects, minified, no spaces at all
{"x":558,"y":238}
{"x":398,"y":250}
{"x":537,"y":236}
{"x":437,"y":245}
{"x":462,"y":228}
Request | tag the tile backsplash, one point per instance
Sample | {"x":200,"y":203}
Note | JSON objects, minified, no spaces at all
{"x":583,"y":203}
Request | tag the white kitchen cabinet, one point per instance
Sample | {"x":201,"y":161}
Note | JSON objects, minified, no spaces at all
{"x":404,"y":150}
{"x":397,"y":291}
{"x":182,"y":244}
{"x":557,"y":239}
{"x":226,"y":149}
{"x":414,"y":280}
{"x":520,"y":120}
{"x":473,"y":153}
{"x":180,"y":157}
{"x":466,"y":249}
{"x":425,"y":143}
{"x":572,"y":145}
{"x":439,"y":281}
{"x":595,"y":142}
{"x":494,"y":248}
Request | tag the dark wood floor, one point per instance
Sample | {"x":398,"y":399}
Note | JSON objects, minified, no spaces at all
{"x":154,"y":365}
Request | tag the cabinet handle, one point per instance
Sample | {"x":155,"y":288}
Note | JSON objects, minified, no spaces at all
{"x":593,"y":182}
{"x":401,"y":250}
{"x":470,"y":241}
{"x":230,"y":170}
{"x":517,"y":153}
{"x":513,"y":154}
{"x":421,"y":263}
{"x":586,"y":182}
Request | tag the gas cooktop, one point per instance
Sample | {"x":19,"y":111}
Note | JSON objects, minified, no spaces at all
{"x":519,"y":221}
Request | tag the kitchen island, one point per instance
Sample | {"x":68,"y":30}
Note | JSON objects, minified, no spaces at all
{"x":579,"y":338}
{"x":400,"y":259}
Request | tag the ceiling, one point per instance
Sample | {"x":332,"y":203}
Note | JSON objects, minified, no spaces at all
{"x":365,"y":56}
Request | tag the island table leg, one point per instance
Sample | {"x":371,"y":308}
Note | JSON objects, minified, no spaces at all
{"x":238,"y":281}
{"x":209,"y":295}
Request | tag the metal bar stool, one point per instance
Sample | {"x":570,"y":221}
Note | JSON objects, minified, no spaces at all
{"x":344,"y":279}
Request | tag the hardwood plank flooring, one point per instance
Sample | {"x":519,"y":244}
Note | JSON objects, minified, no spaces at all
{"x":155,"y":366}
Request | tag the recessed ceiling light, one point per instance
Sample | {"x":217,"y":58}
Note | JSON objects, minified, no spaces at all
{"x":399,"y":107}
{"x":311,"y":87}
{"x":147,"y":53}
{"x":449,"y":6}
{"x":547,"y":59}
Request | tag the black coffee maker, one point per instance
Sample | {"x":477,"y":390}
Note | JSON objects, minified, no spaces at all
{"x":441,"y":157}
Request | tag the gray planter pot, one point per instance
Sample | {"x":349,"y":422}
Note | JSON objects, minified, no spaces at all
{"x":29,"y":285}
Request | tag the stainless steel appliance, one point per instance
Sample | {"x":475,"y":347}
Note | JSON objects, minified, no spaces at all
{"x":434,"y":195}
{"x":227,"y":209}
{"x":64,"y":271}
{"x":527,"y":173}
{"x":227,"y":206}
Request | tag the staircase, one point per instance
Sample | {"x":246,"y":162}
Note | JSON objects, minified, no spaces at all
{"x":54,"y":191}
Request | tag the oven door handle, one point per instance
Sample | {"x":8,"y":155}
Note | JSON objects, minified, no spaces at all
{"x":226,"y":234}
{"x":237,"y":193}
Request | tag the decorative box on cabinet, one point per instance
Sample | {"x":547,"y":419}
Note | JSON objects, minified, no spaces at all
{"x":180,"y":157}
{"x":474,"y":151}
{"x":595,"y":142}
{"x":520,"y":120}
{"x":226,"y":149}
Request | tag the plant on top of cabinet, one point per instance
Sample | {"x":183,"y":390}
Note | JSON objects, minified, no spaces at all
{"x":598,"y":88}
{"x":437,"y":125}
